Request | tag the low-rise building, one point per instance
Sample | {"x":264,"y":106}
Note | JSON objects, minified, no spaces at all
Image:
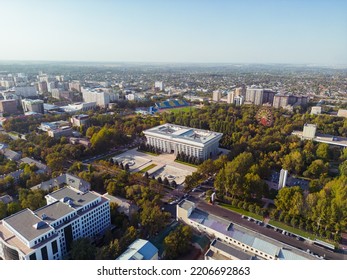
{"x":79,"y":120}
{"x":125,"y":206}
{"x":42,"y":168}
{"x":140,"y":249}
{"x":6,"y":199}
{"x":243,"y":239}
{"x":60,"y":132}
{"x":62,"y":180}
{"x":11,"y":155}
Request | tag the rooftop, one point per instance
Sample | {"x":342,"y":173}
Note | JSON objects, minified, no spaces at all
{"x":140,"y":249}
{"x":179,"y":132}
{"x":221,"y":246}
{"x":186,"y":204}
{"x":67,"y":179}
{"x":29,"y":160}
{"x":77,"y":199}
{"x":54,"y":211}
{"x":27,"y":224}
{"x":252,"y":239}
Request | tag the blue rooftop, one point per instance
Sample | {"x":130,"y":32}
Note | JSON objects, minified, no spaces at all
{"x":140,"y":249}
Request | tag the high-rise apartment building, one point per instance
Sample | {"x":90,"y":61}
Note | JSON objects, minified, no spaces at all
{"x":216,"y":95}
{"x":102,"y":98}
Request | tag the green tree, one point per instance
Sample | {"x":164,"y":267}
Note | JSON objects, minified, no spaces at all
{"x":110,"y":251}
{"x":3,"y":210}
{"x":82,"y":249}
{"x":322,"y":151}
{"x":13,"y":207}
{"x":152,"y":218}
{"x":316,"y":169}
{"x":177,"y":242}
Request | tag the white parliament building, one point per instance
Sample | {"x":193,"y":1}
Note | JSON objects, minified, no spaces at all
{"x":171,"y":138}
{"x":47,"y":233}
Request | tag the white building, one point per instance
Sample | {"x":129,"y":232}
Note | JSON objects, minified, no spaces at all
{"x":283,"y":179}
{"x":78,"y":106}
{"x":47,"y":233}
{"x":237,"y":237}
{"x":159,"y":85}
{"x":171,"y":138}
{"x":33,"y":105}
{"x":309,"y":131}
{"x":342,"y":113}
{"x":216,"y":95}
{"x":100,"y":97}
{"x":230,"y":97}
{"x":316,"y":110}
{"x":140,"y":249}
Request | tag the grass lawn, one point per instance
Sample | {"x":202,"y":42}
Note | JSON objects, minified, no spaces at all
{"x":147,"y":168}
{"x":186,"y":163}
{"x":241,"y":211}
{"x":182,"y":109}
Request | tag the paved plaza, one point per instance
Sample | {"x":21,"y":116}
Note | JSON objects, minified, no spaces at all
{"x":165,"y":165}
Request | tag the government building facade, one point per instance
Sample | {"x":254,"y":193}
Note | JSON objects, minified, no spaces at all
{"x":171,"y":138}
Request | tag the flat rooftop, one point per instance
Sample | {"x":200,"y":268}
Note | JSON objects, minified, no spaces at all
{"x":186,"y":204}
{"x":78,"y":199}
{"x":67,"y":179}
{"x":179,"y":132}
{"x":253,"y":239}
{"x":54,"y":211}
{"x":221,"y":246}
{"x":324,"y":138}
{"x":24,"y":222}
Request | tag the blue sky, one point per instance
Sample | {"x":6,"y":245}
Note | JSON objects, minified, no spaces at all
{"x":214,"y":31}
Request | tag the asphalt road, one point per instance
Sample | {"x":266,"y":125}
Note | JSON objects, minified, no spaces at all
{"x":237,"y":219}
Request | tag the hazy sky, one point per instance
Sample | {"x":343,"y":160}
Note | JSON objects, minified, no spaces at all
{"x":227,"y":31}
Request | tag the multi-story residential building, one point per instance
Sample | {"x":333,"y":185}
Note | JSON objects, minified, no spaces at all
{"x":75,"y":85}
{"x":47,"y":233}
{"x":100,"y":97}
{"x":258,"y":96}
{"x":171,"y":138}
{"x":216,"y":95}
{"x":33,"y":105}
{"x":254,"y":95}
{"x":8,"y":106}
{"x":232,"y":98}
{"x":25,"y":92}
{"x":285,"y":100}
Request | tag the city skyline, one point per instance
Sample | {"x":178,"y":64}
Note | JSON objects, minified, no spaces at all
{"x":294,"y":32}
